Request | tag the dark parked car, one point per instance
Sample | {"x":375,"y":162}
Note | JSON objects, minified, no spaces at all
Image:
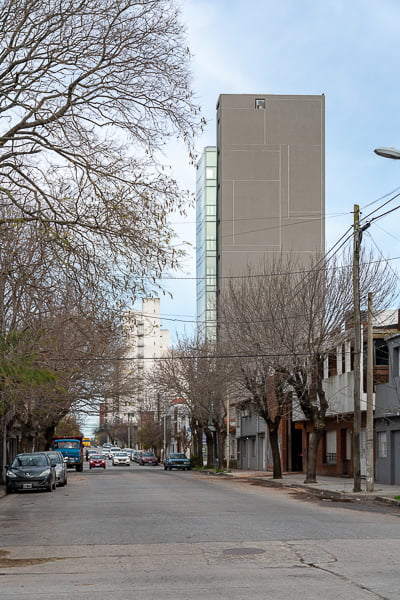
{"x":61,"y":468}
{"x":148,"y":458}
{"x":90,"y":452}
{"x":176,"y":460}
{"x":97,"y":460}
{"x":32,"y":471}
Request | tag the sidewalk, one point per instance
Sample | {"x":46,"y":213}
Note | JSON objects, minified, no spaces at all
{"x":337,"y":487}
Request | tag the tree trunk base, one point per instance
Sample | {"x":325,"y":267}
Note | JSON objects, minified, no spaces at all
{"x":310,"y":480}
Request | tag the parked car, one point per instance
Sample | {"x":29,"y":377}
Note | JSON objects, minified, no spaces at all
{"x":176,"y":460}
{"x":31,"y":471}
{"x":61,"y":468}
{"x":97,"y":460}
{"x":121,"y":458}
{"x":148,"y":458}
{"x":136,"y":455}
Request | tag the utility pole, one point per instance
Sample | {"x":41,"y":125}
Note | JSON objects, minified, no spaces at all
{"x":357,"y":351}
{"x":228,"y":434}
{"x":358,"y":231}
{"x":370,"y":408}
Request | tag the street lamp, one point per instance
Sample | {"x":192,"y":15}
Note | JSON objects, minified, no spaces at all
{"x":388,"y":152}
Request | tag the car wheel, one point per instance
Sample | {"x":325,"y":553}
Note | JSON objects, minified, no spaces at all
{"x":8,"y":490}
{"x":165,"y":468}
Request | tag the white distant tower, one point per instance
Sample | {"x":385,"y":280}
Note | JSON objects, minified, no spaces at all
{"x":145,"y":342}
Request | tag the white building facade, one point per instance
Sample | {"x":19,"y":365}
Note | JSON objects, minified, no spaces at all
{"x":145,"y":343}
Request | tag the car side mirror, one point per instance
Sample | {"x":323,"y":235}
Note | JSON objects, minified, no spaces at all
{"x":53,"y":463}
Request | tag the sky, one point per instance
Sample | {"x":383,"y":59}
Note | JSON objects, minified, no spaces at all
{"x":349,"y":51}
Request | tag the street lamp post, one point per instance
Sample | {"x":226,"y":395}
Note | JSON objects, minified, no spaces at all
{"x":389,"y":152}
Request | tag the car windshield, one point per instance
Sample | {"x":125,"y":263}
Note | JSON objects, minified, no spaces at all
{"x":97,"y":457}
{"x":30,"y":460}
{"x":121,"y":454}
{"x":148,"y":454}
{"x":55,"y":457}
{"x":67,"y":444}
{"x":178,"y":455}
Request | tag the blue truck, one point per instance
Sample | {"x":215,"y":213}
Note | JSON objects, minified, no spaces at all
{"x":71,"y":447}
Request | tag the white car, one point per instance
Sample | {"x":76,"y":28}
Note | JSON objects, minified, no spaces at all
{"x":128,"y":451}
{"x":121,"y":458}
{"x":113,"y":450}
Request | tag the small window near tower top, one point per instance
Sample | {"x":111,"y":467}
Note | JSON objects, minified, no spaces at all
{"x":260,"y":103}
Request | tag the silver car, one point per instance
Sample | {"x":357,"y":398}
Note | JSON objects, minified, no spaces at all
{"x":57,"y":458}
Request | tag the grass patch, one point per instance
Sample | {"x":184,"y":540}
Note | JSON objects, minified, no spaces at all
{"x":211,"y":469}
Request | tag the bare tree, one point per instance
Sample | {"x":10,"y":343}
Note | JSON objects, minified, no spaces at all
{"x":260,"y":373}
{"x":294,"y":315}
{"x":195,"y":373}
{"x":90,"y":92}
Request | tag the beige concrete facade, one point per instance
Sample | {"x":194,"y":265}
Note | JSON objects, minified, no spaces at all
{"x":271,"y":178}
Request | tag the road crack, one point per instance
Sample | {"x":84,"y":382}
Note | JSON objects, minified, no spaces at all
{"x":315,"y":558}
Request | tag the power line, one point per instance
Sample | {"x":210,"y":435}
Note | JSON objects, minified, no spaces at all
{"x":186,"y":357}
{"x":257,"y":275}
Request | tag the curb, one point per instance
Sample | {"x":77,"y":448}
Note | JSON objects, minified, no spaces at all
{"x":387,"y":500}
{"x":324,"y":494}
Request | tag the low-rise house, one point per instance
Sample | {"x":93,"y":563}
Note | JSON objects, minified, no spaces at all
{"x":387,"y":419}
{"x":335,"y":450}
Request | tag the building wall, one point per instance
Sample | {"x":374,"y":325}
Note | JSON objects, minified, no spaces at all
{"x":387,"y":419}
{"x":271,"y":165}
{"x":270,"y":200}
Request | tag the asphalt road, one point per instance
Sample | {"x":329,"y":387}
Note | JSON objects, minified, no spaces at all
{"x":145,"y":534}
